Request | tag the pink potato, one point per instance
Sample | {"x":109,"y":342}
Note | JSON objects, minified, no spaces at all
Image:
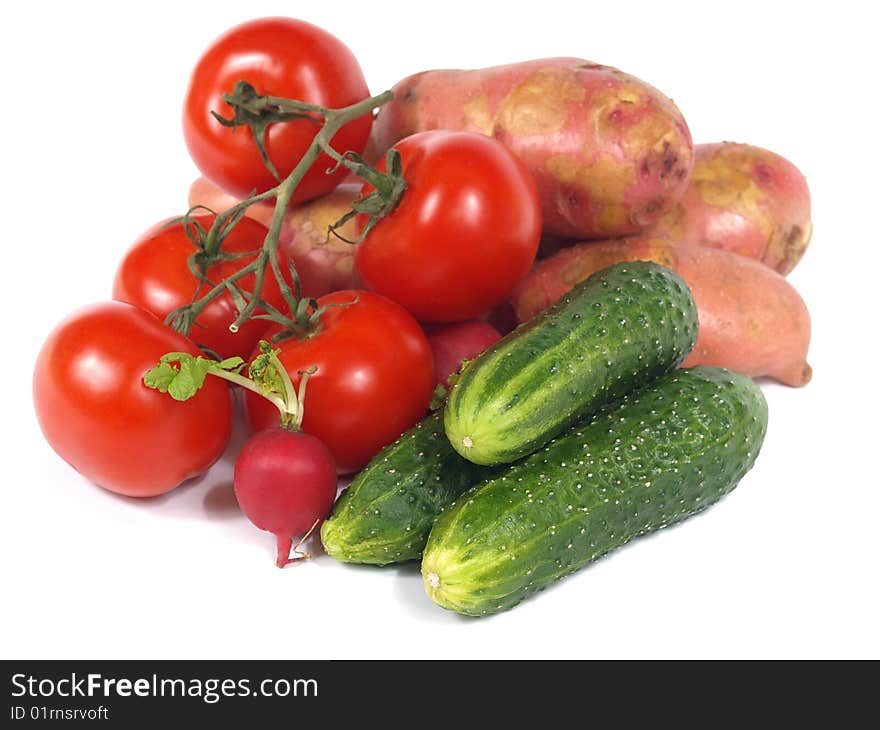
{"x":323,"y":265}
{"x":610,"y":154}
{"x":452,"y":343}
{"x":743,"y":199}
{"x":751,"y":319}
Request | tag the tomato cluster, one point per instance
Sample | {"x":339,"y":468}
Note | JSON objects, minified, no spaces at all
{"x":461,"y":231}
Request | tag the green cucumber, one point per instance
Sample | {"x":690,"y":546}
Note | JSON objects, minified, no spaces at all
{"x":659,"y":455}
{"x":386,"y":513}
{"x":621,"y":328}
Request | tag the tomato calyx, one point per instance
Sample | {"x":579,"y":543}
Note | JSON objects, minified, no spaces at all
{"x":388,"y":189}
{"x":306,"y":319}
{"x":182,"y":375}
{"x":208,"y":241}
{"x":208,"y":244}
{"x":250,"y":109}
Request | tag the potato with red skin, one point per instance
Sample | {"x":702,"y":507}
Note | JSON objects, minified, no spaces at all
{"x":324,"y":265}
{"x":743,"y":199}
{"x":610,"y":154}
{"x":751,"y":319}
{"x":452,"y":343}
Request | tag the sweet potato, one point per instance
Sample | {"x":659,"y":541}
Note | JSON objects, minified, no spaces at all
{"x":751,"y":319}
{"x":323,"y":265}
{"x":610,"y":154}
{"x":744,"y":199}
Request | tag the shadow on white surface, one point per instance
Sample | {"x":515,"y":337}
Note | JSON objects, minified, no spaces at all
{"x":219,"y":502}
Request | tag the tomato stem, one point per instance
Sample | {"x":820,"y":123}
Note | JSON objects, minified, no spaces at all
{"x":301,"y":319}
{"x":388,"y":188}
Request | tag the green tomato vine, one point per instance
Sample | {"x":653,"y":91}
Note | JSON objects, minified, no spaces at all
{"x":258,"y":112}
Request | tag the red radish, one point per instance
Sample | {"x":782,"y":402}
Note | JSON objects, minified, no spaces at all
{"x":452,"y":343}
{"x":284,"y":479}
{"x":285,"y":482}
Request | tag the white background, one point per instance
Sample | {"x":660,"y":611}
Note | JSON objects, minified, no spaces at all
{"x":786,"y":566}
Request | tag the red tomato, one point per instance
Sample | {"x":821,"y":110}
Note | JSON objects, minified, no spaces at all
{"x":374,"y":379}
{"x":280,"y":57}
{"x":466,"y":229}
{"x":154,"y":276}
{"x":98,"y":415}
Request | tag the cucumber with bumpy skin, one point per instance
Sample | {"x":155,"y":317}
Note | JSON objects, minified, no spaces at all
{"x":659,"y":455}
{"x":386,"y":513}
{"x":621,"y":328}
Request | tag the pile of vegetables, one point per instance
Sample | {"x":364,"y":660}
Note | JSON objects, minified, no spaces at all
{"x":518,"y":305}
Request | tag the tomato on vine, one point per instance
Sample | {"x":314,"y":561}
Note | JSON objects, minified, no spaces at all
{"x":277,"y":57}
{"x":465,"y":230}
{"x":373,"y":379}
{"x":156,"y":275}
